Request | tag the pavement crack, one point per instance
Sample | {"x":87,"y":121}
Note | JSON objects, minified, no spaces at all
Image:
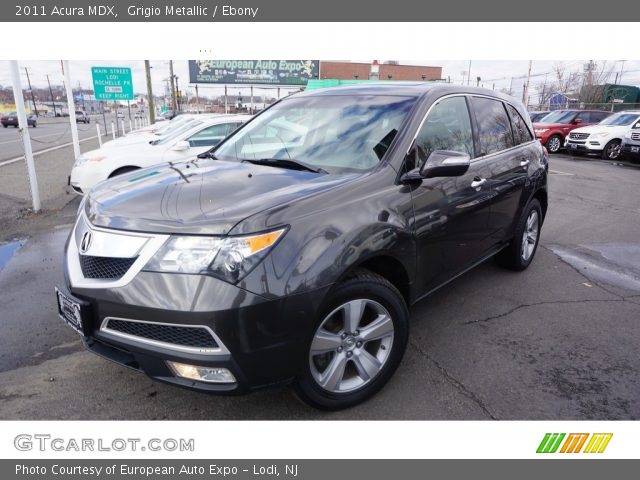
{"x":536,"y":304}
{"x":454,"y":382}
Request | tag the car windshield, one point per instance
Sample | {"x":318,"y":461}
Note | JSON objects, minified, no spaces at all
{"x":175,"y":133}
{"x":558,"y":117}
{"x":337,"y":133}
{"x":173,"y":124}
{"x":620,"y":119}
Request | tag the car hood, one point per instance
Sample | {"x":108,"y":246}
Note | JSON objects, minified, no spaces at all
{"x":199,"y":197}
{"x":602,"y":128}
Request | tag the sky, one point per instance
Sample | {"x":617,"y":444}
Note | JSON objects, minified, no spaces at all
{"x":498,"y":73}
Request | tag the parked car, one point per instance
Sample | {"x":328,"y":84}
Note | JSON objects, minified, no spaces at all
{"x":82,"y":117}
{"x":293,"y":250}
{"x":555,"y":126}
{"x":12,"y":119}
{"x":630,"y":148}
{"x":604,"y":138}
{"x":186,"y":141}
{"x":538,"y":116}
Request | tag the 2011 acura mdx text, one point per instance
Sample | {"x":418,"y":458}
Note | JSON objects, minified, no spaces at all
{"x":293,"y":250}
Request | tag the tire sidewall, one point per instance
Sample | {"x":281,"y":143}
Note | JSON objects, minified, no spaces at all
{"x":390,"y":299}
{"x":534,"y":204}
{"x":549,"y":142}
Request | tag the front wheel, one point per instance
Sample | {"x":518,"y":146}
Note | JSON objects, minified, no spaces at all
{"x":520,"y":252}
{"x":554,"y":144}
{"x":357,"y":345}
{"x":611,"y":150}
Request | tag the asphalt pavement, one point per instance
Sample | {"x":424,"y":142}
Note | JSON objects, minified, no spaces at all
{"x":557,"y":341}
{"x":50,"y":132}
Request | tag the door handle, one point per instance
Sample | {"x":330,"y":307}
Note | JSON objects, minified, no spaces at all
{"x":524,"y":162}
{"x":478,"y":182}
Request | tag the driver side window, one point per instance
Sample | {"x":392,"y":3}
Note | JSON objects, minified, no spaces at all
{"x":447,"y":127}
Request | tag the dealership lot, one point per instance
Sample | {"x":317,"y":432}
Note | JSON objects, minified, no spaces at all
{"x":558,"y":341}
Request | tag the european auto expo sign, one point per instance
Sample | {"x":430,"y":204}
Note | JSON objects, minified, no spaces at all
{"x":273,"y":72}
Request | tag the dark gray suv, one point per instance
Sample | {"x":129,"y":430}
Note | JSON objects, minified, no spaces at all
{"x":293,"y":250}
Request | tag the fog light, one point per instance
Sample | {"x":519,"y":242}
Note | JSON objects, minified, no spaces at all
{"x":202,"y":374}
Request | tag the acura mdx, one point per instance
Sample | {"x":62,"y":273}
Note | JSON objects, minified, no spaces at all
{"x":292,"y":251}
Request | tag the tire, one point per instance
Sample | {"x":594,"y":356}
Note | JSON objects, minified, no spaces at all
{"x":122,"y":171}
{"x":515,"y":257}
{"x":34,"y":125}
{"x":362,"y":366}
{"x":611,"y":150}
{"x":5,"y":126}
{"x":554,"y":143}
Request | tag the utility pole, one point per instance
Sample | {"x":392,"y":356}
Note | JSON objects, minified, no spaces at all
{"x":24,"y":133}
{"x":226,"y":100}
{"x":35,"y":109}
{"x":525,"y":94}
{"x":173,"y":87}
{"x":150,"y":106}
{"x":72,"y":108}
{"x":52,"y":99}
{"x":621,"y":70}
{"x":178,"y":96}
{"x":197,"y":100}
{"x":469,"y":74}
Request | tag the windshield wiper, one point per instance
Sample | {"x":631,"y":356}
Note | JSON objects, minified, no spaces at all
{"x":286,"y":163}
{"x":207,"y":155}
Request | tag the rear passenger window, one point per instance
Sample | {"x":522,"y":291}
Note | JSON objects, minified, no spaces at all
{"x":521,"y":133}
{"x":494,"y":128}
{"x":447,"y":127}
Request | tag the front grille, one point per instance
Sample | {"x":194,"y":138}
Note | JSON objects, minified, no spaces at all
{"x":105,"y":267}
{"x":579,"y":136}
{"x":195,"y":337}
{"x":635,"y":136}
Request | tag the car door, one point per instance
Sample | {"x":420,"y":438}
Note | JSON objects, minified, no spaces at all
{"x":509,"y":162}
{"x":450,"y":213}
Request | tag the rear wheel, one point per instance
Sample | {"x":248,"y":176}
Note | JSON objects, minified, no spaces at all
{"x":519,"y":254}
{"x":611,"y":150}
{"x":357,"y":345}
{"x":554,"y":143}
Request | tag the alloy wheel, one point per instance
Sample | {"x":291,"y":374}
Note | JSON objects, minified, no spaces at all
{"x":530,"y":235}
{"x":554,"y":144}
{"x":351,"y":345}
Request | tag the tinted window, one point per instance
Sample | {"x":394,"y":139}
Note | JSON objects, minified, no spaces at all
{"x":494,"y":128}
{"x":447,"y":127}
{"x":521,"y":133}
{"x":560,"y":116}
{"x":210,"y":136}
{"x":599,"y":116}
{"x":587,"y":117}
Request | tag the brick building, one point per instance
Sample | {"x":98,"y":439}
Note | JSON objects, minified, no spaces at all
{"x":387,"y":71}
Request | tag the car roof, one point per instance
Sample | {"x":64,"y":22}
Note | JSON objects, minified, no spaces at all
{"x":405,"y":89}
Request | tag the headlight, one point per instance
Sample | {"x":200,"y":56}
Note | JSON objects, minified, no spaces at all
{"x":88,"y":158}
{"x":541,"y":130}
{"x":600,"y":134}
{"x":229,"y":258}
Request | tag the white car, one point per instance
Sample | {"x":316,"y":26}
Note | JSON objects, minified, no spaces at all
{"x":605,"y":137}
{"x":184,"y":142}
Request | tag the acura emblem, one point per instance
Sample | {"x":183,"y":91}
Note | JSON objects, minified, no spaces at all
{"x":86,"y":242}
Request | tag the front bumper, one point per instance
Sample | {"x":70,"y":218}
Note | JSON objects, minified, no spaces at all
{"x":85,"y":176}
{"x":584,"y":145}
{"x":630,"y":150}
{"x":262,"y":341}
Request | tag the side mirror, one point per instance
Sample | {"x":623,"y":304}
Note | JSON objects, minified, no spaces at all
{"x":181,"y":146}
{"x":577,"y":121}
{"x":441,"y":163}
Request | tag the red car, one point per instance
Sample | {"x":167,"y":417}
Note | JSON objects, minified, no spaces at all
{"x":12,"y":119}
{"x":558,"y":124}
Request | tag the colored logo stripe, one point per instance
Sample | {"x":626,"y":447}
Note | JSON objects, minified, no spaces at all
{"x":550,"y":443}
{"x":574,"y":443}
{"x":596,"y":443}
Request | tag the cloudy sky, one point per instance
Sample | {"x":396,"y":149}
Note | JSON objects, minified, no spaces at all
{"x":504,"y":74}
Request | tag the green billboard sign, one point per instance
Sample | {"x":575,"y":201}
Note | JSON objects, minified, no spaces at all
{"x":112,"y":83}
